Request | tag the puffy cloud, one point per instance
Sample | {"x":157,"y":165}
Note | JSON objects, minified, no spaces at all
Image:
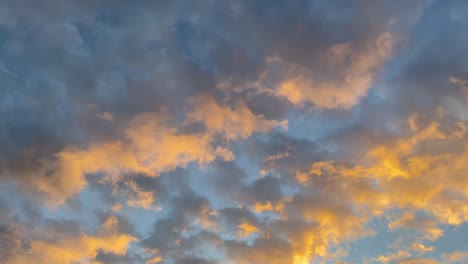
{"x":72,"y":249}
{"x":359,"y":68}
{"x":148,"y":147}
{"x":241,"y":132}
{"x":405,"y":174}
{"x":245,"y":229}
{"x":235,"y":123}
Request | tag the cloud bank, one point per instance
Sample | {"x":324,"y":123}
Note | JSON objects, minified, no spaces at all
{"x":233,"y":132}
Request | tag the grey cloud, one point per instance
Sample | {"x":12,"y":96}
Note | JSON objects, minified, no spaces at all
{"x":194,"y":260}
{"x":88,"y":53}
{"x":262,"y":250}
{"x":63,"y":64}
{"x":9,"y":244}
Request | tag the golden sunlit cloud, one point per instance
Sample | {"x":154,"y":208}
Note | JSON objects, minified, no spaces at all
{"x":235,"y":123}
{"x":83,"y":248}
{"x":403,"y":178}
{"x":241,"y":132}
{"x":150,"y":147}
{"x":347,"y":90}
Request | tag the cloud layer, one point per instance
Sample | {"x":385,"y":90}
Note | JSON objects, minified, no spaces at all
{"x":233,"y":132}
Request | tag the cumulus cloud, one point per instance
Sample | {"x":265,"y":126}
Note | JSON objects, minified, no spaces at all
{"x":242,"y":132}
{"x":352,"y":84}
{"x":71,"y":249}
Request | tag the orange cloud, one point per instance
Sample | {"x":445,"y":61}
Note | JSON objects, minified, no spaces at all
{"x":406,"y":177}
{"x":456,"y":257}
{"x":75,"y":249}
{"x":410,"y":220}
{"x":345,"y":91}
{"x":405,"y":173}
{"x":236,"y":123}
{"x":150,"y":146}
{"x":245,"y":229}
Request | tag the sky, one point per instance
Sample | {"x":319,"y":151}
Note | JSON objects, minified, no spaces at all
{"x":233,"y":132}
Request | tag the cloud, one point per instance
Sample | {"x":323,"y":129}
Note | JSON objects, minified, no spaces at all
{"x":394,"y":175}
{"x":141,"y":198}
{"x":262,"y":250}
{"x":72,"y":249}
{"x":418,"y":261}
{"x":240,"y":132}
{"x":10,"y":245}
{"x":246,"y":229}
{"x":456,"y":256}
{"x":231,"y":123}
{"x":397,"y":256}
{"x":349,"y":87}
{"x":428,"y":225}
{"x":419,"y":247}
{"x":148,"y":147}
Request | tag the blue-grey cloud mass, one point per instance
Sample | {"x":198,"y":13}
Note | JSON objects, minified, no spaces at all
{"x":237,"y":132}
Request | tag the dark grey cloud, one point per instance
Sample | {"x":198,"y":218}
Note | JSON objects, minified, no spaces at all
{"x":10,"y":243}
{"x":194,"y":260}
{"x":109,"y":258}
